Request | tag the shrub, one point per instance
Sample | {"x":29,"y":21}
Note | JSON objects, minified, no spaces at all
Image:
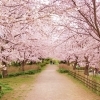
{"x":42,"y":64}
{"x":31,"y":63}
{"x":16,"y":74}
{"x":30,"y":72}
{"x":19,"y":73}
{"x":63,"y":62}
{"x":62,"y":70}
{"x":16,"y":64}
{"x":23,"y":73}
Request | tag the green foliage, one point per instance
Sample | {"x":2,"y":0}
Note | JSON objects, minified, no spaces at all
{"x":23,"y":73}
{"x":43,"y":63}
{"x":56,"y":62}
{"x":63,"y":62}
{"x":32,"y":72}
{"x":47,"y":60}
{"x":62,"y":70}
{"x":16,"y":74}
{"x":31,"y":63}
{"x":40,"y":64}
{"x":96,"y":78}
{"x":16,"y":64}
{"x":1,"y":94}
{"x":50,"y":61}
{"x":0,"y":76}
{"x":15,"y":83}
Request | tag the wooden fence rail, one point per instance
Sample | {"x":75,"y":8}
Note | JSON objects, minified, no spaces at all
{"x":89,"y":83}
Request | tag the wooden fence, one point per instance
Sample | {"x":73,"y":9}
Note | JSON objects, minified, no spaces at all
{"x":94,"y":86}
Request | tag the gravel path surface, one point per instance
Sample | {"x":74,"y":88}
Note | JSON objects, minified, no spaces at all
{"x":51,"y":85}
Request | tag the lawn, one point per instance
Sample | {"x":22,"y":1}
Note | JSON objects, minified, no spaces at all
{"x":14,"y":88}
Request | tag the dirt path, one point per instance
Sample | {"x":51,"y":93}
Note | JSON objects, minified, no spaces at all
{"x":51,"y":85}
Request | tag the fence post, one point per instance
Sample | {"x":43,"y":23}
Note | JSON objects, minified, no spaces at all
{"x":0,"y":88}
{"x":87,"y":82}
{"x":74,"y":74}
{"x":91,"y":84}
{"x":94,"y":86}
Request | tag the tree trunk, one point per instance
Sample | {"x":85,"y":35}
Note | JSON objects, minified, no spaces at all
{"x":4,"y":70}
{"x":86,"y":72}
{"x":68,"y":63}
{"x":4,"y":73}
{"x":74,"y":67}
{"x":23,"y":65}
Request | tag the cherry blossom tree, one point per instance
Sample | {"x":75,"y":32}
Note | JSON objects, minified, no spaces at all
{"x":61,"y":29}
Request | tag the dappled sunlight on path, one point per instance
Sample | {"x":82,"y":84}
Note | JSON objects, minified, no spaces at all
{"x":51,"y":85}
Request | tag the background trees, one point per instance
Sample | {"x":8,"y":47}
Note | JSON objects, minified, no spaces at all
{"x":62,"y":29}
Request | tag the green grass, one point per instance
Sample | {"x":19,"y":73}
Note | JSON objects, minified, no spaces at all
{"x":96,"y":78}
{"x":12,"y":84}
{"x":30,"y":72}
{"x":81,"y":84}
{"x":62,"y":70}
{"x":5,"y":88}
{"x":15,"y":81}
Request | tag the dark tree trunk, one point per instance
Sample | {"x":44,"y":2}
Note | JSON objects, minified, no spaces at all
{"x":74,"y":67}
{"x":23,"y":65}
{"x":4,"y":73}
{"x":86,"y":70}
{"x":4,"y":69}
{"x":75,"y":63}
{"x":68,"y":63}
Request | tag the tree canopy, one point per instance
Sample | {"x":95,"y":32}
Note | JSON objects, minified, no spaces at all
{"x":61,"y":29}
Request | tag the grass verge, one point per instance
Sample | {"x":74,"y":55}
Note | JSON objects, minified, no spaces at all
{"x":17,"y":84}
{"x":14,"y":87}
{"x":81,"y":84}
{"x":62,"y":70}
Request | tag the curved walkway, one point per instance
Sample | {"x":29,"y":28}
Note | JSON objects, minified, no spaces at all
{"x":51,"y":85}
